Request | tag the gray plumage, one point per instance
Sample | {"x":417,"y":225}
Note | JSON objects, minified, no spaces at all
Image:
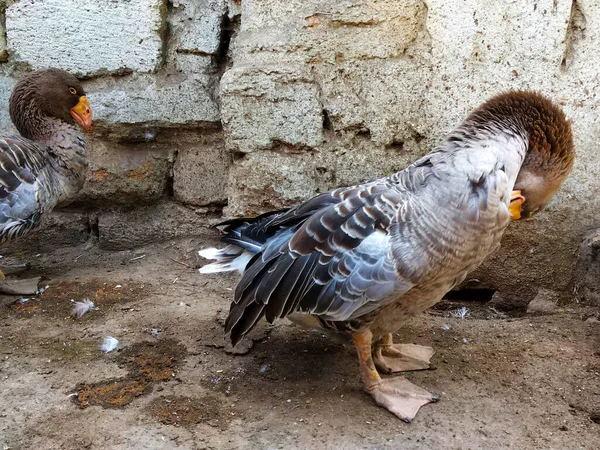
{"x":372,"y":255}
{"x":47,"y":164}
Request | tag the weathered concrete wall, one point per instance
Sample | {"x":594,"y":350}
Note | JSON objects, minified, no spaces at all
{"x":151,"y":68}
{"x":262,"y":103}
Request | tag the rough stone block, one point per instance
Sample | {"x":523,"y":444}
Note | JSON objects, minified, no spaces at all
{"x":160,"y":100}
{"x":192,"y":63}
{"x":87,"y":38}
{"x":370,"y":60}
{"x":234,"y":8}
{"x":478,"y":50}
{"x":200,"y":171}
{"x":120,"y":174}
{"x":196,"y":26}
{"x":330,"y":32}
{"x":62,"y":228}
{"x":499,"y":34}
{"x":120,"y":230}
{"x":261,"y":107}
{"x":544,"y":303}
{"x":265,"y":180}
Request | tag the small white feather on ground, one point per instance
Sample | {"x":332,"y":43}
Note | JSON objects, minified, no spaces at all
{"x":110,"y":344}
{"x":461,"y":313}
{"x":82,"y":307}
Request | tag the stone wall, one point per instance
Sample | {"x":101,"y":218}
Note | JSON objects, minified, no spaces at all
{"x":212,"y":106}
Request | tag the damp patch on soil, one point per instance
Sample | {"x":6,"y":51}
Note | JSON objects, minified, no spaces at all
{"x":111,"y":393}
{"x":148,"y":363}
{"x":153,"y":360}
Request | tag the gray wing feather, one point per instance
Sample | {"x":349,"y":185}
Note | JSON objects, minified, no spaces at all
{"x":331,"y":264}
{"x":21,"y":165}
{"x":362,"y":279}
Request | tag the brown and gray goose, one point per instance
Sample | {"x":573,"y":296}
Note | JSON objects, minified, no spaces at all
{"x":47,"y":163}
{"x":363,"y":259}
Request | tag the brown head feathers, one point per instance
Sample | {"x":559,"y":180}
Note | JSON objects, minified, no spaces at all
{"x":44,"y":93}
{"x":543,"y":123}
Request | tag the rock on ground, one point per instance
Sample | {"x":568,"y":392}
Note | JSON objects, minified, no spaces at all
{"x":587,"y":270}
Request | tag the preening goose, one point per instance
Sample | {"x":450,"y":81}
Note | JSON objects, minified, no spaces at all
{"x":363,"y":259}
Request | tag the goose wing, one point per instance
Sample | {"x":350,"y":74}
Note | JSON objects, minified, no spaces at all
{"x":21,"y":163}
{"x":331,"y":256}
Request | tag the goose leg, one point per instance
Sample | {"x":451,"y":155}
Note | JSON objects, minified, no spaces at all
{"x":394,"y":358}
{"x":398,"y":395}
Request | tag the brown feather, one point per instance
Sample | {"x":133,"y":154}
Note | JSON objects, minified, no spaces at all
{"x":551,"y":147}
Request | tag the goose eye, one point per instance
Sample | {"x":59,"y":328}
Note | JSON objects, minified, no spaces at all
{"x":73,"y":91}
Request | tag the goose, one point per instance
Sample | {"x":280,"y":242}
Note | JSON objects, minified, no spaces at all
{"x":363,"y":259}
{"x":46,"y":164}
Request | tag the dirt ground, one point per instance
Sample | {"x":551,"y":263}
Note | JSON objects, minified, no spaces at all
{"x":505,"y":382}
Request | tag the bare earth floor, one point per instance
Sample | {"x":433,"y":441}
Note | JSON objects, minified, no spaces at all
{"x":520,"y":382}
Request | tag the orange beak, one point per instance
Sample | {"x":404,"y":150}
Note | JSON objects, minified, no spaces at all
{"x":82,"y":113}
{"x":516,"y":202}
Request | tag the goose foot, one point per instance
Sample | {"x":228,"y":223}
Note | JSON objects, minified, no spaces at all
{"x":398,"y":395}
{"x":394,"y":358}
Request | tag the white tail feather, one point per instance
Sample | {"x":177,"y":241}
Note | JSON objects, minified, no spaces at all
{"x":210,"y":253}
{"x":215,"y":268}
{"x":226,"y":259}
